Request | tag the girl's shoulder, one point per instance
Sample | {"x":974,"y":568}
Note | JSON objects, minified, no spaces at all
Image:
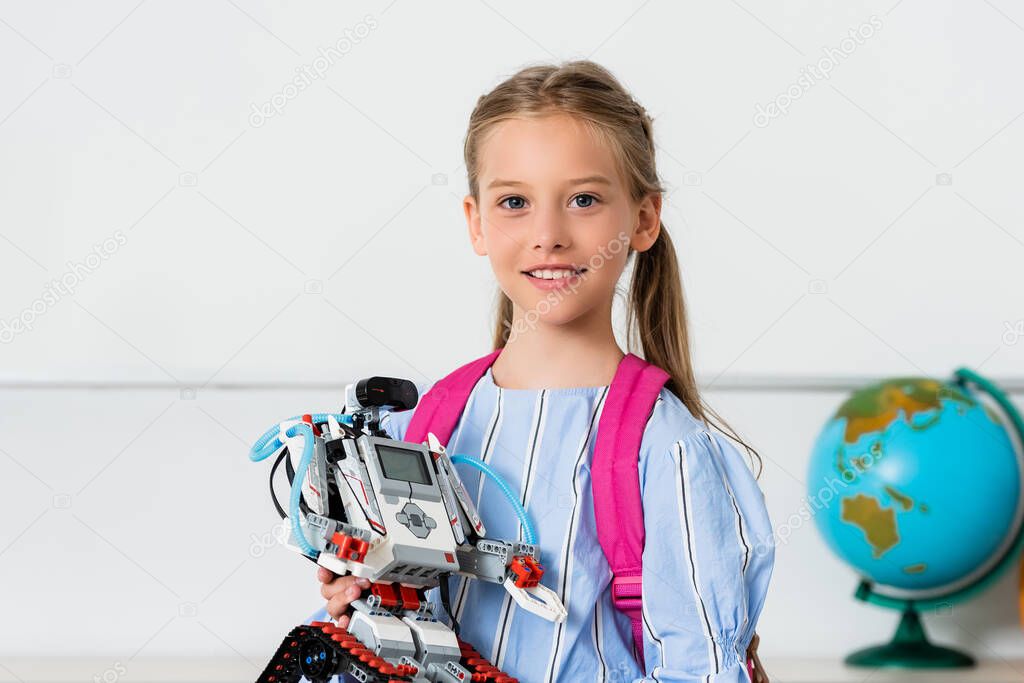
{"x":670,"y":422}
{"x":673,"y":433}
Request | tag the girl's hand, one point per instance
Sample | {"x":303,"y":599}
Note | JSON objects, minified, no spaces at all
{"x":760,"y":675}
{"x":339,"y":591}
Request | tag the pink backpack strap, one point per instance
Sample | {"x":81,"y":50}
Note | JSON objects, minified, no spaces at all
{"x":438,"y":410}
{"x":615,"y":480}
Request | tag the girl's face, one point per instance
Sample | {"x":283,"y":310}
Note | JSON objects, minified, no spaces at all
{"x":555,"y":218}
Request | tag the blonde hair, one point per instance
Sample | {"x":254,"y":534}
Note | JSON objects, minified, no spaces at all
{"x":656,"y":308}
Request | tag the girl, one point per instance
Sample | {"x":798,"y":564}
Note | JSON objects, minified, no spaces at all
{"x":563,"y":192}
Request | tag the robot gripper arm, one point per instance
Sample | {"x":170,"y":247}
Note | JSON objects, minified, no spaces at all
{"x":515,"y":566}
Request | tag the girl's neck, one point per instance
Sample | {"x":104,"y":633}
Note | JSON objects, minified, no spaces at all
{"x":582,"y":353}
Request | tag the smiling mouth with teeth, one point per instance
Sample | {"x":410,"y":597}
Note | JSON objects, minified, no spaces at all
{"x":556,"y":274}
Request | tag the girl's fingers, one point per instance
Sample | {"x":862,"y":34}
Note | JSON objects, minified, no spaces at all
{"x":338,"y":604}
{"x":339,"y":585}
{"x":340,"y":593}
{"x":342,"y":584}
{"x":325,"y":575}
{"x":328,"y":591}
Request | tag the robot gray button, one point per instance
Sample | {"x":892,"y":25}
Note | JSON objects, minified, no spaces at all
{"x":416,"y":520}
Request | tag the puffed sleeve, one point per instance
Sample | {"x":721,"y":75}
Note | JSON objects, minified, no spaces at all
{"x":707,"y":560}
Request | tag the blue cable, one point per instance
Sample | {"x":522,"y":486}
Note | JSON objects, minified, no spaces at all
{"x":296,"y":492}
{"x":529,"y":535}
{"x":268,"y":444}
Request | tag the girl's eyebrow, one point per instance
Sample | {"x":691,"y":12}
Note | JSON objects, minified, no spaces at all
{"x":498,"y":182}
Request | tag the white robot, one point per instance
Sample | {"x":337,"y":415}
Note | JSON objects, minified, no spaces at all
{"x":395,"y":513}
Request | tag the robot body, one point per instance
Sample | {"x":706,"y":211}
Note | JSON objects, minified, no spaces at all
{"x":395,"y":513}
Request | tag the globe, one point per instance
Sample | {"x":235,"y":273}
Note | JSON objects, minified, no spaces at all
{"x":916,"y":485}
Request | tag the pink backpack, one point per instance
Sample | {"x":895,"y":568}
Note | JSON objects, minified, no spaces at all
{"x":618,"y":507}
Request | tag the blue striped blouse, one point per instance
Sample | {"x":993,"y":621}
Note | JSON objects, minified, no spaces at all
{"x":708,"y":556}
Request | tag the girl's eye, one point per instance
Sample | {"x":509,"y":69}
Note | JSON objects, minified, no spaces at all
{"x":590,"y":200}
{"x":516,"y":202}
{"x":512,"y":199}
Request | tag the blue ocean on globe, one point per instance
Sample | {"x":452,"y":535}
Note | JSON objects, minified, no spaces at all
{"x":915,"y":483}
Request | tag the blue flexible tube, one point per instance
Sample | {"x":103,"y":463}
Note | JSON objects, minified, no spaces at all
{"x":529,"y":535}
{"x":296,"y":492}
{"x":268,"y":444}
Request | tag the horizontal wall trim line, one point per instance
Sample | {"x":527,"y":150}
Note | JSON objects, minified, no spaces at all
{"x":733,"y":383}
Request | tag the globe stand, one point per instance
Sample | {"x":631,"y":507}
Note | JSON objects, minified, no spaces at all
{"x":910,"y":649}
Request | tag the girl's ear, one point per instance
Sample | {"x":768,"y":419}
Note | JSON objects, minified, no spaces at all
{"x":648,"y":223}
{"x":473,"y":222}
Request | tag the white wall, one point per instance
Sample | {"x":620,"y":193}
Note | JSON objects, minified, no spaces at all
{"x":873,"y":230}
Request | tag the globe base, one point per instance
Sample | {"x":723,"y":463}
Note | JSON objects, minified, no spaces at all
{"x":910,"y":649}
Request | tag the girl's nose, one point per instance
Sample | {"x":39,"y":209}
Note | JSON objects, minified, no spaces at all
{"x":550,"y":230}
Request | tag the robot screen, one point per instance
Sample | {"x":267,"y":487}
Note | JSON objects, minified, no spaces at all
{"x":403,"y":464}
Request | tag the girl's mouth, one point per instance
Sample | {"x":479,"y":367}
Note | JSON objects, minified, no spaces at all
{"x":554,"y":277}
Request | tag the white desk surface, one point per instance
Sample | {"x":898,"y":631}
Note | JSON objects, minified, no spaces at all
{"x":238,"y":670}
